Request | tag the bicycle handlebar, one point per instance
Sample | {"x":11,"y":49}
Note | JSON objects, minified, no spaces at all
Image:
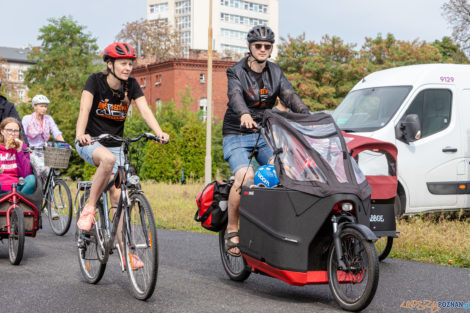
{"x":147,"y":136}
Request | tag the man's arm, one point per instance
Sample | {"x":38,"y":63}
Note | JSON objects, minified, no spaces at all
{"x":288,"y":95}
{"x":236,"y":101}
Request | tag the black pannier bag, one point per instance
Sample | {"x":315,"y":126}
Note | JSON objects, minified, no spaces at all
{"x":212,"y":205}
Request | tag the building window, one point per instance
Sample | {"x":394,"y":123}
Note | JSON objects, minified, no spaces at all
{"x":159,"y":8}
{"x":202,"y":78}
{"x":7,"y":73}
{"x":144,"y":82}
{"x":243,"y":20}
{"x":158,"y":104}
{"x":158,"y":80}
{"x":246,"y":5}
{"x":203,"y":108}
{"x":183,"y":22}
{"x":21,"y":95}
{"x":183,"y":7}
{"x":186,"y":37}
{"x":20,"y":75}
{"x":233,"y":48}
{"x":233,"y":34}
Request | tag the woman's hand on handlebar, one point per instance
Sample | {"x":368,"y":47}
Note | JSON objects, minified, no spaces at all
{"x":84,"y":140}
{"x":247,"y":121}
{"x":165,"y":138}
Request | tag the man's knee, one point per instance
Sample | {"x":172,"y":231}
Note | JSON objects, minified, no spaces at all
{"x":242,"y":176}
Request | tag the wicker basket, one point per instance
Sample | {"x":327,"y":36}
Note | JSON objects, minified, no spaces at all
{"x":56,"y":157}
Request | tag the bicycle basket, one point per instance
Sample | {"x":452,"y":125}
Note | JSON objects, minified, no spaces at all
{"x":56,"y":157}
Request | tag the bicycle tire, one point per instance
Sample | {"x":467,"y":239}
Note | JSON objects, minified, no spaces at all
{"x":142,"y":243}
{"x":59,"y":205}
{"x":383,"y":250}
{"x":235,"y":266}
{"x":355,"y":248}
{"x":16,"y":236}
{"x":91,"y":267}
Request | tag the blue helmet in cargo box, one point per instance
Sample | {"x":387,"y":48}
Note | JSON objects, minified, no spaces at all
{"x":266,"y":176}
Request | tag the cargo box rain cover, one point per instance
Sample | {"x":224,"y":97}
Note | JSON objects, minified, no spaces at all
{"x":311,"y":154}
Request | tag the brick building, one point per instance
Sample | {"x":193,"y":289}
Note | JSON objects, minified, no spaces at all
{"x":165,"y":81}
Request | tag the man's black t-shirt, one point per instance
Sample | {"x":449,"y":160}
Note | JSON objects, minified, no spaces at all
{"x":108,"y":114}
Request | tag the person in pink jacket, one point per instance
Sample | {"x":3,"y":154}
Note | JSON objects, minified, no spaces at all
{"x":14,"y":159}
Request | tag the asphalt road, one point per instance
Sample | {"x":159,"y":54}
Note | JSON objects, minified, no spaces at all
{"x":191,"y":279}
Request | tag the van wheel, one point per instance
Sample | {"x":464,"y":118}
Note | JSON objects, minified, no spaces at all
{"x":399,"y":204}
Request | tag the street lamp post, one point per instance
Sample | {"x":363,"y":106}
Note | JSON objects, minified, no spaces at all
{"x":208,"y":159}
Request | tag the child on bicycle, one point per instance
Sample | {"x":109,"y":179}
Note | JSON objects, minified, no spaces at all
{"x":14,"y":159}
{"x":103,"y":109}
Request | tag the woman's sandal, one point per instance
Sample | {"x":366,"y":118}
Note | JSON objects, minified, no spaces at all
{"x":229,"y":244}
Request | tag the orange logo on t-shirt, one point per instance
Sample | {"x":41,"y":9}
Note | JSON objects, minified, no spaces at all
{"x":112,"y":111}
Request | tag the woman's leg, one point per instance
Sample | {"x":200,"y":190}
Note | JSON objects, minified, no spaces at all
{"x":28,"y":186}
{"x":104,"y":159}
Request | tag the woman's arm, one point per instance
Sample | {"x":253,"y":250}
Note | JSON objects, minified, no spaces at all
{"x":149,"y":118}
{"x":55,"y":130}
{"x":85,"y":107}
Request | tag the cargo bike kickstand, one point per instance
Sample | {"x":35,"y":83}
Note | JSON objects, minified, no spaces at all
{"x":314,"y":229}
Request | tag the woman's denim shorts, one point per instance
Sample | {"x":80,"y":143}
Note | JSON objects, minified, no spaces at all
{"x":237,"y":149}
{"x":86,"y":153}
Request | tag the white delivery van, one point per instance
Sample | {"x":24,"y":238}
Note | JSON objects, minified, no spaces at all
{"x":425,"y":111}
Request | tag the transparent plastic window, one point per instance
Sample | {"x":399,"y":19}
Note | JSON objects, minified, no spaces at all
{"x":330,"y":150}
{"x":296,"y":162}
{"x":315,"y":130}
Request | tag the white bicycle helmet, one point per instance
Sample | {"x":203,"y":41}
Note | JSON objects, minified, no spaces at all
{"x":40,"y":99}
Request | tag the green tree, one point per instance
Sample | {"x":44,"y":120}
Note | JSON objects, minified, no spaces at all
{"x":64,"y":60}
{"x":451,"y":52}
{"x":381,"y":53}
{"x":321,"y":73}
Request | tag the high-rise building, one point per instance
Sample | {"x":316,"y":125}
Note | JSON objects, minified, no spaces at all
{"x":231,"y":21}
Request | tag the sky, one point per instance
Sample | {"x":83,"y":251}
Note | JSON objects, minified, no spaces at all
{"x":351,"y":20}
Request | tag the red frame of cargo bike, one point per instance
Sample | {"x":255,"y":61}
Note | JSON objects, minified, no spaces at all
{"x":295,"y":278}
{"x":15,"y":198}
{"x":383,"y":187}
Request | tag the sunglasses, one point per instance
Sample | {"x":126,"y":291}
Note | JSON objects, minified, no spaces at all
{"x":267,"y":46}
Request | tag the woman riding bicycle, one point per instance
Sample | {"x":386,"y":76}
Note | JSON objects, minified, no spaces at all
{"x":104,"y":104}
{"x":253,"y":86}
{"x":38,"y":128}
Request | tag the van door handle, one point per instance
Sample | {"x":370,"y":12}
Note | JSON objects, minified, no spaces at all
{"x":449,"y":149}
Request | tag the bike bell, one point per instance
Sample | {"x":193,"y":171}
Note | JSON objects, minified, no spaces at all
{"x":266,"y":176}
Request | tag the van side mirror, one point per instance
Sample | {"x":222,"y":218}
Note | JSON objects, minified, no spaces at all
{"x":409,"y":129}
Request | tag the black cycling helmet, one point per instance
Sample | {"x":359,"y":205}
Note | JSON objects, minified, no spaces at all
{"x":260,"y":33}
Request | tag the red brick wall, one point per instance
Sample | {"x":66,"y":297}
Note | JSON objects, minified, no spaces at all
{"x":177,"y":74}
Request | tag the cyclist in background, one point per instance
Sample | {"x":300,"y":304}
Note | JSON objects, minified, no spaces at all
{"x":104,"y":104}
{"x":254,"y":84}
{"x":38,"y":128}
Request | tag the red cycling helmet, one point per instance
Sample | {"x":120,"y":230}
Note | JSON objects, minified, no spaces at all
{"x":119,"y":50}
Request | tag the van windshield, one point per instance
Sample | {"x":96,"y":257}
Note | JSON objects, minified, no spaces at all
{"x":369,"y":109}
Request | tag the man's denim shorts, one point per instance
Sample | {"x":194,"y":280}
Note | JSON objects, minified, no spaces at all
{"x":86,"y":153}
{"x":237,"y":149}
